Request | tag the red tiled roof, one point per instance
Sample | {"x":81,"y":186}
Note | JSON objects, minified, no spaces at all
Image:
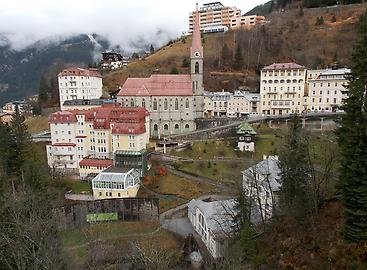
{"x":103,"y":116}
{"x":158,"y":85}
{"x":62,"y":117}
{"x":96,"y":162}
{"x":128,"y":128}
{"x":80,"y":72}
{"x":64,"y":144}
{"x":283,"y":66}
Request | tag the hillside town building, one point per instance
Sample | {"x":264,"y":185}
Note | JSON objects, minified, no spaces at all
{"x":282,"y":88}
{"x":237,"y":104}
{"x":115,"y":183}
{"x":213,"y":221}
{"x":24,"y":107}
{"x":246,"y":136}
{"x":261,"y":184}
{"x":247,"y":21}
{"x":326,"y":89}
{"x":113,"y":60}
{"x":95,"y":134}
{"x":173,"y":101}
{"x":78,"y":83}
{"x":215,"y":17}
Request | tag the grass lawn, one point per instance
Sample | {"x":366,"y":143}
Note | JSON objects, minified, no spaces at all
{"x":174,"y":185}
{"x":225,"y":172}
{"x":105,"y":230}
{"x":115,"y":240}
{"x":209,"y":150}
{"x":37,"y":124}
{"x":76,"y":186}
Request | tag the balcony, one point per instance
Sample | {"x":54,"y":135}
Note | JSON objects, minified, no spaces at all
{"x":280,"y":104}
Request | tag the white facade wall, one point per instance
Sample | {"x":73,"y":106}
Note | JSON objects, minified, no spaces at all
{"x":79,"y":87}
{"x":326,"y":90}
{"x":282,"y":91}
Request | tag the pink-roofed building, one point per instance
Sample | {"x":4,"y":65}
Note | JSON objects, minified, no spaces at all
{"x":95,"y":134}
{"x":282,"y":88}
{"x":173,"y":101}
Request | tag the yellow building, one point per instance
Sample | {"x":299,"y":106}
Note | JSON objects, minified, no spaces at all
{"x":92,"y":167}
{"x":115,"y":183}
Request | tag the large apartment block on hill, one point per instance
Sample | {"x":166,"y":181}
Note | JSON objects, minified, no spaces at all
{"x":173,"y":101}
{"x":78,"y":83}
{"x":282,"y":88}
{"x":95,"y":134}
{"x":215,"y":15}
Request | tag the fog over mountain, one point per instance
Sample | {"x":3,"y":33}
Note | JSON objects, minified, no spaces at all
{"x":128,"y":24}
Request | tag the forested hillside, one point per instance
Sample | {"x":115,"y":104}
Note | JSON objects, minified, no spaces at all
{"x":316,"y":38}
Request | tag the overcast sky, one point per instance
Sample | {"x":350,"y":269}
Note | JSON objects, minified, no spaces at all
{"x":123,"y":22}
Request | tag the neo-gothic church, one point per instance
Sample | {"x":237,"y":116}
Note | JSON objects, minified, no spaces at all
{"x":173,"y":101}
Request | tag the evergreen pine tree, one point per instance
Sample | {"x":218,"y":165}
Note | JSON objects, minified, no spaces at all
{"x":238,"y":58}
{"x":352,"y":138}
{"x":151,"y":49}
{"x":20,"y":140}
{"x":43,"y":90}
{"x":226,"y":54}
{"x":295,"y":171}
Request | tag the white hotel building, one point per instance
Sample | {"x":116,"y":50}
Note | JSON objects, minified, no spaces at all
{"x":326,"y":89}
{"x":78,"y":83}
{"x":282,"y":88}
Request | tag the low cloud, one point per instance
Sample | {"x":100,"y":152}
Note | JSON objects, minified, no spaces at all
{"x":127,"y":23}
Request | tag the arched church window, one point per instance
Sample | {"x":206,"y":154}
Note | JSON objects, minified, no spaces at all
{"x":197,"y":67}
{"x":155,"y":105}
{"x":143,"y":103}
{"x":187,"y":103}
{"x":176,"y":104}
{"x":165,"y":104}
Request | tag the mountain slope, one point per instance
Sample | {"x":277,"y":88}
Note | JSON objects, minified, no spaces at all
{"x":20,"y":71}
{"x":287,"y":37}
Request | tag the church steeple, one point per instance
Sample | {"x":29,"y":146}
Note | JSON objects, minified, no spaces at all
{"x":197,"y":57}
{"x":196,"y":46}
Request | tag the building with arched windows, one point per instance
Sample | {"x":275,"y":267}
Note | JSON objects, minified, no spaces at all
{"x":173,"y":101}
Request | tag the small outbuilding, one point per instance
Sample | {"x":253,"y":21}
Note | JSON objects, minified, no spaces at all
{"x":246,"y":136}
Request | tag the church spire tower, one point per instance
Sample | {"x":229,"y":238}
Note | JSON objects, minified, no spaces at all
{"x":197,"y":57}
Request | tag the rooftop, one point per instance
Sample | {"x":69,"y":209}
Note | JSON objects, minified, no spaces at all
{"x":280,"y":66}
{"x":216,"y":214}
{"x":245,"y":128}
{"x":268,"y":167}
{"x":158,"y":85}
{"x":74,"y":71}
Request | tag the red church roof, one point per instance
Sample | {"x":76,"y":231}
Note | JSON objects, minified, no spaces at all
{"x":158,"y":85}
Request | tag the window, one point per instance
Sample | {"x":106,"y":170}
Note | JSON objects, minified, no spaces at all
{"x":197,"y":68}
{"x":165,"y":104}
{"x":176,"y":104}
{"x":143,"y":103}
{"x":187,"y":104}
{"x":155,"y":105}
